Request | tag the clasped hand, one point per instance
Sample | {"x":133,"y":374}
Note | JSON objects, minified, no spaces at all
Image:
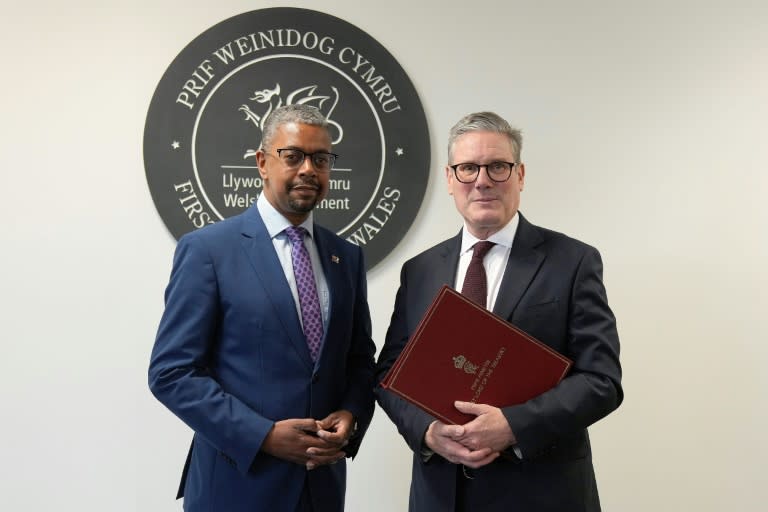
{"x":473,"y":444}
{"x":310,"y":442}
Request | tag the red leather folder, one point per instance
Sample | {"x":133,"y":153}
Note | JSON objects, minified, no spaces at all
{"x":461,"y":351}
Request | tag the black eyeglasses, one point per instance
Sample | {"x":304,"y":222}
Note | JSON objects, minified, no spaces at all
{"x":497,"y":171}
{"x":293,"y":158}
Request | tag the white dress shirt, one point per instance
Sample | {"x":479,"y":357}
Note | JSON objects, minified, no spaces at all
{"x":495,"y":260}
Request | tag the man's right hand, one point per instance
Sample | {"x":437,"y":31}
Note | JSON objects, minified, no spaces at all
{"x":442,"y":439}
{"x":290,"y":439}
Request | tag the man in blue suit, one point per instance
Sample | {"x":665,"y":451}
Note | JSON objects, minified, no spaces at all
{"x":264,"y":348}
{"x":535,"y":456}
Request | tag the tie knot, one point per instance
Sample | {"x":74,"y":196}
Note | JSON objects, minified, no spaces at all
{"x":481,"y":249}
{"x":295,"y":234}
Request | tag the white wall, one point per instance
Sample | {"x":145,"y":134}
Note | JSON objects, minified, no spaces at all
{"x":645,"y":126}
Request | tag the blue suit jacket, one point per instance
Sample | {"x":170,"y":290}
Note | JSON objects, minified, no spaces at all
{"x":230,"y":359}
{"x":552,"y":288}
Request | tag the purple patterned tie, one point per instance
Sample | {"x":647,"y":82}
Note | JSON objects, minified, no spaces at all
{"x":475,"y":286}
{"x":305,"y":283}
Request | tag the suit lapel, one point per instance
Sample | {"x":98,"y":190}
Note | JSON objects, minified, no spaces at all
{"x":524,"y":261}
{"x":260,"y":251}
{"x":446,"y":268}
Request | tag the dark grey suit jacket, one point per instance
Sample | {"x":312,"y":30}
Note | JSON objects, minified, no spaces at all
{"x":552,"y":288}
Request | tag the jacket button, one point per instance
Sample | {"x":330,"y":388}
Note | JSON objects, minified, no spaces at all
{"x":315,"y":378}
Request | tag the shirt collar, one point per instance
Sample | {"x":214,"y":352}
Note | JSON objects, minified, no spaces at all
{"x":274,"y":220}
{"x":504,"y":237}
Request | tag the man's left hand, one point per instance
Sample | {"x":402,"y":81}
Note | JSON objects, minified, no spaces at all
{"x":335,"y":429}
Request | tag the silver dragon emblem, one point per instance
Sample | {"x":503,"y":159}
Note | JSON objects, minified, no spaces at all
{"x":267,"y":100}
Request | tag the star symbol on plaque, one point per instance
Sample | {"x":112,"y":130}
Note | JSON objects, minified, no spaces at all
{"x":399,"y":151}
{"x":175,"y":144}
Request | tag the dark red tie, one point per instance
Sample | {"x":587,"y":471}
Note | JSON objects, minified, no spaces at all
{"x":475,"y":285}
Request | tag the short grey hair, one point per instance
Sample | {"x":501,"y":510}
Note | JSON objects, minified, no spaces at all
{"x":294,"y":113}
{"x":486,"y":122}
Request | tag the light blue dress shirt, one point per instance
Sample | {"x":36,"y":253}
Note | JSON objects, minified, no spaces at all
{"x":276,"y":224}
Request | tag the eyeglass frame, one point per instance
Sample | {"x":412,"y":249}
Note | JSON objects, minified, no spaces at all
{"x":333,"y":158}
{"x":512,"y":166}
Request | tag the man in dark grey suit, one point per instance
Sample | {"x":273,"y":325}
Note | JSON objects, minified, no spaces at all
{"x":535,"y":456}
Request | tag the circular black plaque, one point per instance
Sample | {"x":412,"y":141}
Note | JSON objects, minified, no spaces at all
{"x":204,"y":124}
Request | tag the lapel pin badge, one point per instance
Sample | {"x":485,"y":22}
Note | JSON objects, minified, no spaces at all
{"x":334,"y":258}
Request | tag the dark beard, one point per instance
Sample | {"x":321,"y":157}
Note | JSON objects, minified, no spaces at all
{"x":303,"y":206}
